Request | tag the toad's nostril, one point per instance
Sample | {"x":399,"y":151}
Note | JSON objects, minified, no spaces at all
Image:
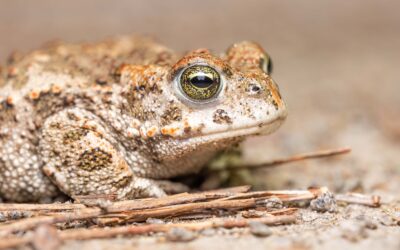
{"x":254,"y":89}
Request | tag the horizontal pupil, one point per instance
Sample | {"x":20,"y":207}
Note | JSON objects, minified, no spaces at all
{"x":201,"y":81}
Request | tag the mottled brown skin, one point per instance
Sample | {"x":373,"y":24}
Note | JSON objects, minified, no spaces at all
{"x":108,"y":118}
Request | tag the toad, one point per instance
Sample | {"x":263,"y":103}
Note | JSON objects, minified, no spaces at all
{"x":124,"y":115}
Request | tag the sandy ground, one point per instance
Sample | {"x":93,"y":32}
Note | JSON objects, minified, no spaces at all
{"x":337,"y":66}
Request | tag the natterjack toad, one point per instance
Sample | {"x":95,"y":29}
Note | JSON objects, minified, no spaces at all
{"x":122,"y":116}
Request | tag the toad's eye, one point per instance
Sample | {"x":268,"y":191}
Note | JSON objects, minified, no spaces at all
{"x":200,"y":82}
{"x":266,"y":64}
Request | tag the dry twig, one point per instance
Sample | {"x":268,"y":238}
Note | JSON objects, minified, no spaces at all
{"x":39,"y":207}
{"x":294,"y":158}
{"x":195,"y":226}
{"x":361,"y":199}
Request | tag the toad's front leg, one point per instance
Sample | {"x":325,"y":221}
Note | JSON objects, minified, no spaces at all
{"x":83,"y":158}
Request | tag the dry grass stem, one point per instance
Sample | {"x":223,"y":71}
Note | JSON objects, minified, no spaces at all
{"x":294,"y":158}
{"x":361,"y":199}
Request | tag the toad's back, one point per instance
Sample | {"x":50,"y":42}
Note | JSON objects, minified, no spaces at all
{"x":86,"y":62}
{"x":55,"y":77}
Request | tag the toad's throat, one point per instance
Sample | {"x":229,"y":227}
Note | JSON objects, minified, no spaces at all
{"x":258,"y":129}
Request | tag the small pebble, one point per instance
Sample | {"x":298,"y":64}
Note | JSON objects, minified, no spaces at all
{"x":259,"y":229}
{"x":273,"y":203}
{"x":180,"y":235}
{"x":154,"y":221}
{"x":325,"y":202}
{"x":386,"y":220}
{"x":397,"y":217}
{"x":2,"y":217}
{"x":371,"y":224}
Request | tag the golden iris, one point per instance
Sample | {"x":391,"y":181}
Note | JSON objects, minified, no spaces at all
{"x":200,"y":82}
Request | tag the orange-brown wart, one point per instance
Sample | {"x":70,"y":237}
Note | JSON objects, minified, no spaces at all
{"x":152,"y":131}
{"x":111,"y":118}
{"x":34,"y":95}
{"x":170,"y":131}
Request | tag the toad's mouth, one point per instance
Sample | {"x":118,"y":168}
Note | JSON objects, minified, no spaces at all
{"x":258,"y":129}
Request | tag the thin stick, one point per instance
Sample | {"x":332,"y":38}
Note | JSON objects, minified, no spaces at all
{"x":168,"y":200}
{"x":29,"y":223}
{"x":294,"y":158}
{"x":361,"y":199}
{"x":181,"y":209}
{"x":83,"y":234}
{"x":283,"y":195}
{"x":39,"y":207}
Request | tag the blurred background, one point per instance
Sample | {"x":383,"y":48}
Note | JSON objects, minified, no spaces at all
{"x":336,"y":62}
